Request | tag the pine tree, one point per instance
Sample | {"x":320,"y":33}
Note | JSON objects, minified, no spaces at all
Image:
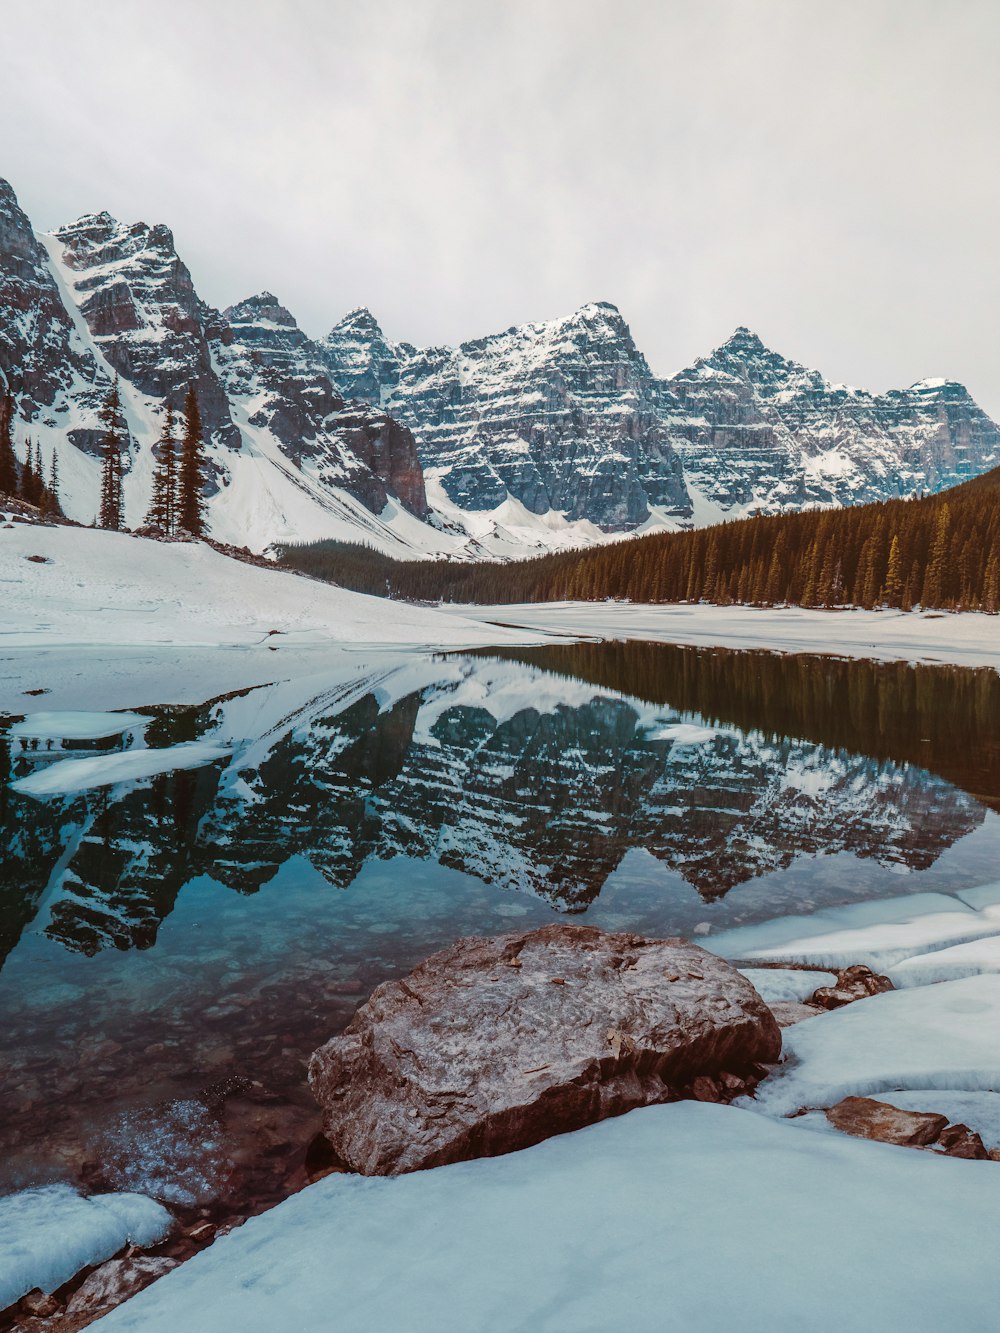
{"x":163,"y":502}
{"x":112,"y":513}
{"x":892,"y":590}
{"x":8,"y":459}
{"x":932,"y":593}
{"x":54,"y":484}
{"x":191,"y":510}
{"x":31,"y":480}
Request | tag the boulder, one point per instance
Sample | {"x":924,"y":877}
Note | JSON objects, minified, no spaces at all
{"x":495,"y":1044}
{"x":869,"y":1119}
{"x":853,"y":983}
{"x":116,"y":1281}
{"x":961,"y":1141}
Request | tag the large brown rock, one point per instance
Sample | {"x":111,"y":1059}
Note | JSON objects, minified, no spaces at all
{"x":494,"y":1044}
{"x":869,"y":1119}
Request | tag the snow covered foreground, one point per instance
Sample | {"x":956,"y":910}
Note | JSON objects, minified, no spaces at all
{"x":682,"y":1217}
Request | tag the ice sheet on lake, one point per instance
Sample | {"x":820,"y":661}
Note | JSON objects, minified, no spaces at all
{"x":876,"y":933}
{"x":75,"y":726}
{"x":941,"y":1036}
{"x":777,"y":984}
{"x":47,"y":1235}
{"x":961,"y":960}
{"x":687,"y":1216}
{"x":74,"y":775}
{"x":682,"y":733}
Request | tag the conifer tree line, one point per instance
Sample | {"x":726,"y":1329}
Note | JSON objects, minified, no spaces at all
{"x":29,"y":481}
{"x":176,"y":503}
{"x":940,"y":551}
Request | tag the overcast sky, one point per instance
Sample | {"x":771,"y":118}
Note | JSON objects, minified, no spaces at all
{"x":826,"y":173}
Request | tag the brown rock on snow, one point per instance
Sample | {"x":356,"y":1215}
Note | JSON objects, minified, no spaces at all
{"x":869,"y":1119}
{"x":117,"y":1281}
{"x":961,"y":1141}
{"x":853,"y":983}
{"x":477,"y":1053}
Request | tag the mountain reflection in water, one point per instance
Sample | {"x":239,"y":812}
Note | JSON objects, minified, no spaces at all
{"x":536,"y":771}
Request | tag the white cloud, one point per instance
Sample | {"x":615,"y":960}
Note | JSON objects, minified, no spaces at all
{"x":821,"y":173}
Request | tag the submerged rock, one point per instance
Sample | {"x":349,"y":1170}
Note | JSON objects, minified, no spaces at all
{"x":495,"y":1044}
{"x":869,"y":1119}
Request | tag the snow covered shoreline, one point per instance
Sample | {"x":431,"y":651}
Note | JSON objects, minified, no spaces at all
{"x":149,"y":622}
{"x":968,"y":639}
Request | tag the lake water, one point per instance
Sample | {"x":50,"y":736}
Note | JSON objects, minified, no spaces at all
{"x":174,"y":946}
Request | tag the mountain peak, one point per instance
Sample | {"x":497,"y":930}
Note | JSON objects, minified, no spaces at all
{"x":263,"y":306}
{"x":360,"y":320}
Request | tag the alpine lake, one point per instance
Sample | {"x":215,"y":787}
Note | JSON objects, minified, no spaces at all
{"x":174,"y":946}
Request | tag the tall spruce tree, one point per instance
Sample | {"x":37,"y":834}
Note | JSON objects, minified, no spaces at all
{"x":54,"y":483}
{"x":112,"y":514}
{"x":8,"y":459}
{"x":163,"y":503}
{"x":191,"y":507}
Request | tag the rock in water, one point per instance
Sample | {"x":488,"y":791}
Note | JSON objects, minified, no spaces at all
{"x":495,"y":1044}
{"x":853,"y":983}
{"x":869,"y":1119}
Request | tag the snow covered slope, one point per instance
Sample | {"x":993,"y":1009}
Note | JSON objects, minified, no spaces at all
{"x":65,"y":585}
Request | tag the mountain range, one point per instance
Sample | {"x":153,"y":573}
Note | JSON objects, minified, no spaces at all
{"x":547,"y":434}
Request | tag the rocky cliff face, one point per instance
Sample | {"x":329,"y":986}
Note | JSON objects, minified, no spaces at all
{"x":277,"y":375}
{"x":566,"y":415}
{"x":553,"y":430}
{"x":563,"y":416}
{"x":44,"y":361}
{"x":140,"y":305}
{"x":287,"y":458}
{"x":758,"y":432}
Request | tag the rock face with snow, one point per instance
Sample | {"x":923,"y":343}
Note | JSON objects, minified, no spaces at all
{"x":756,"y":431}
{"x":562,"y":416}
{"x":140,"y":305}
{"x":44,"y":361}
{"x":273,"y":370}
{"x":287,"y":458}
{"x":567,"y":415}
{"x":549,"y":433}
{"x":493,"y":1045}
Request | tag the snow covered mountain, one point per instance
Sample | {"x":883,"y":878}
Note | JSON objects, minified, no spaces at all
{"x":567,"y":416}
{"x":549,"y":434}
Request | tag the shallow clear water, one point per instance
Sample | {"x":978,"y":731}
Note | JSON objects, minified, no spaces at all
{"x":164,"y":934}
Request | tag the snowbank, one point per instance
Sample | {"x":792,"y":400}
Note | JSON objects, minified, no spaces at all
{"x":935,"y":1037}
{"x":961,"y":960}
{"x":47,"y":1235}
{"x":879,"y":933}
{"x":687,"y":1216}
